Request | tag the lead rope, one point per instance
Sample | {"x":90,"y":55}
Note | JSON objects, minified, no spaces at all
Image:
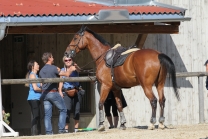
{"x":91,"y":70}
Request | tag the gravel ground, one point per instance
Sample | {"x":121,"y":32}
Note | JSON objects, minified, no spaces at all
{"x":199,"y":131}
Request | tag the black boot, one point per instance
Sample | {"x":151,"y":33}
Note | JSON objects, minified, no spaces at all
{"x":34,"y":130}
{"x":39,"y":129}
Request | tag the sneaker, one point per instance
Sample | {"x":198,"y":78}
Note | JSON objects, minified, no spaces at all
{"x":49,"y":133}
{"x":63,"y":132}
{"x":66,"y":130}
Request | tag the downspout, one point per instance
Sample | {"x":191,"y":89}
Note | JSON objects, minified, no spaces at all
{"x":2,"y":30}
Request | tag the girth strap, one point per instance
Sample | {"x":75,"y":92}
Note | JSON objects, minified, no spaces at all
{"x":112,"y":76}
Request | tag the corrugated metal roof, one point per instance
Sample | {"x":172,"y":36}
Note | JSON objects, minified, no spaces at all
{"x":71,"y":7}
{"x":120,"y":2}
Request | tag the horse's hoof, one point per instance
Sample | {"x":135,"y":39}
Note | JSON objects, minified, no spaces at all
{"x":151,"y":127}
{"x":101,"y":128}
{"x":161,"y":126}
{"x":123,"y":127}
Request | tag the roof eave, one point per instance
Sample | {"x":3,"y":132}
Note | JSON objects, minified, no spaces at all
{"x":90,"y":19}
{"x":96,"y":22}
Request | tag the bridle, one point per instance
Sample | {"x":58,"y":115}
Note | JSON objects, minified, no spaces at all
{"x":73,"y":52}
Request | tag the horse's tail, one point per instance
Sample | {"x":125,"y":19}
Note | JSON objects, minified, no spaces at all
{"x":168,"y":64}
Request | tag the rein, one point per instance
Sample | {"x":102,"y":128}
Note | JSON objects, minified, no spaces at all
{"x":81,"y":69}
{"x":92,"y":70}
{"x":77,"y":46}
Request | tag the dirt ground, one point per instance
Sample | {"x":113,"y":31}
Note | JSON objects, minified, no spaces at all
{"x":199,"y":131}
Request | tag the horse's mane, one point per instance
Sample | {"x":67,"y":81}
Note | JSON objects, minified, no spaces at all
{"x":98,"y":37}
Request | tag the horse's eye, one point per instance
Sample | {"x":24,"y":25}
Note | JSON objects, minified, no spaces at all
{"x":75,"y":38}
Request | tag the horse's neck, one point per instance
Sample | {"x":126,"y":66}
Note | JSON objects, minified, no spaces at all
{"x":97,"y":49}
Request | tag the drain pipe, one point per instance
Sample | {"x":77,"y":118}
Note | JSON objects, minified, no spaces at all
{"x":2,"y":30}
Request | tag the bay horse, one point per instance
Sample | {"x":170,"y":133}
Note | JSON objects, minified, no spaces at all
{"x":146,"y":67}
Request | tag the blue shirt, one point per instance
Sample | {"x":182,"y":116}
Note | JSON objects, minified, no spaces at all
{"x":49,"y":71}
{"x":71,"y":84}
{"x":33,"y":95}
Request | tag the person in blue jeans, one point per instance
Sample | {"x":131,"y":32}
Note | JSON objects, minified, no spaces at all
{"x":75,"y":100}
{"x":50,"y":94}
{"x":34,"y":97}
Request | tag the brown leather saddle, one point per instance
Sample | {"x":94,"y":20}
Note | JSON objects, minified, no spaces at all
{"x":113,"y":58}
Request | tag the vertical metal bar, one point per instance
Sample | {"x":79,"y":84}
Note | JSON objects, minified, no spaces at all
{"x":97,"y":98}
{"x":201,"y":99}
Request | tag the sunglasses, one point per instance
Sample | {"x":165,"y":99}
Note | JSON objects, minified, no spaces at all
{"x":67,"y":60}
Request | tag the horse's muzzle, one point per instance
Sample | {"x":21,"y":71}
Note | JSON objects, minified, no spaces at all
{"x":71,"y":54}
{"x":66,"y":54}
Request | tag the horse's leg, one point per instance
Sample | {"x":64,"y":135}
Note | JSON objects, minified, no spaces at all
{"x":160,"y":89}
{"x":104,"y":91}
{"x":160,"y":83}
{"x":117,"y":95}
{"x":153,"y":101}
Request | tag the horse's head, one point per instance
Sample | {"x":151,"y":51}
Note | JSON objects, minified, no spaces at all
{"x":77,"y":44}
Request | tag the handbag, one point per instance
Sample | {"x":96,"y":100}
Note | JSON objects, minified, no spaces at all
{"x":71,"y":92}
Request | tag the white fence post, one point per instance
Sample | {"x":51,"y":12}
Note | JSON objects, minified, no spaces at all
{"x":2,"y":123}
{"x":201,"y":99}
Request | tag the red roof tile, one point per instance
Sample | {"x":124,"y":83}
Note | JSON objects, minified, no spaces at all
{"x":69,"y":7}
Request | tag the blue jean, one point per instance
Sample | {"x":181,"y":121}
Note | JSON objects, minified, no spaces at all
{"x":75,"y":102}
{"x":50,"y":99}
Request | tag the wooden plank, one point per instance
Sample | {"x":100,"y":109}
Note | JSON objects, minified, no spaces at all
{"x":172,"y":23}
{"x":48,"y":80}
{"x":135,"y":28}
{"x":201,"y":100}
{"x":169,"y":107}
{"x":84,"y":79}
{"x":19,"y":55}
{"x":204,"y":48}
{"x":62,"y":41}
{"x":141,"y":40}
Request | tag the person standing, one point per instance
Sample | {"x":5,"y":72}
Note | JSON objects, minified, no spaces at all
{"x":50,"y":94}
{"x":34,"y":97}
{"x":110,"y":102}
{"x":74,"y":99}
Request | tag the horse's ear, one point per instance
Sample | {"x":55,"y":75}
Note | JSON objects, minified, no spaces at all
{"x":83,"y":28}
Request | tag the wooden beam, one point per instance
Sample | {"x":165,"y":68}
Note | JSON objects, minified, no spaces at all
{"x":48,"y":80}
{"x":118,"y":28}
{"x":172,"y":23}
{"x":141,"y":40}
{"x":201,"y":99}
{"x":83,"y":79}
